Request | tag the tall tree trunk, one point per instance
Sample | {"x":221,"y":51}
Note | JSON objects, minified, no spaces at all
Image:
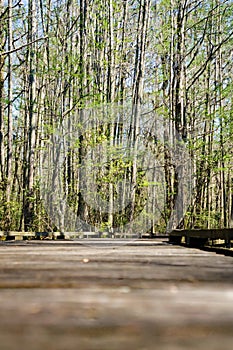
{"x":2,"y":62}
{"x":8,"y":181}
{"x":9,"y":111}
{"x":219,"y":81}
{"x":110,"y":99}
{"x":82,"y":211}
{"x":142,"y":27}
{"x":32,"y":35}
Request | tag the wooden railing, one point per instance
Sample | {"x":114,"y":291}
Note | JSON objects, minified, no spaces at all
{"x":202,"y":237}
{"x":15,"y":235}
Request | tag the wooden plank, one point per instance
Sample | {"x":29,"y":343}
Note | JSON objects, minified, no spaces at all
{"x":225,"y":233}
{"x":200,"y":237}
{"x":15,"y":235}
{"x":48,"y":235}
{"x":134,"y":295}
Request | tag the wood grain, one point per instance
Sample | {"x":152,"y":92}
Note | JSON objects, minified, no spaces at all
{"x":114,"y":294}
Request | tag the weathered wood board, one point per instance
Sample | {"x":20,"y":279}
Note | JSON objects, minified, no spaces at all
{"x":114,"y":294}
{"x":202,"y":237}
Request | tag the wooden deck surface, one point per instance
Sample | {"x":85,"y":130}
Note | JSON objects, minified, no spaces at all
{"x":114,"y":294}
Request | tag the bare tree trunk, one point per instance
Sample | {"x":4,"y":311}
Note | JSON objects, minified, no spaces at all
{"x":223,"y":152}
{"x":9,"y":112}
{"x":2,"y":62}
{"x":82,"y":207}
{"x":179,"y":72}
{"x":122,"y":48}
{"x":143,"y":22}
{"x":32,"y":33}
{"x":110,"y":99}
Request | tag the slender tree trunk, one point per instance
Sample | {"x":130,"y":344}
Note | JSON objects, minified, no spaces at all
{"x":9,"y":112}
{"x":2,"y":62}
{"x":123,"y":51}
{"x":110,"y":99}
{"x":143,"y":22}
{"x":32,"y":34}
{"x":223,"y":152}
{"x":82,"y":211}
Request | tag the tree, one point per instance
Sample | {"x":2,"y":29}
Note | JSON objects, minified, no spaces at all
{"x":2,"y":62}
{"x":72,"y":63}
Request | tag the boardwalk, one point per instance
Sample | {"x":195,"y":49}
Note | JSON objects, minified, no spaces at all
{"x":108,"y":294}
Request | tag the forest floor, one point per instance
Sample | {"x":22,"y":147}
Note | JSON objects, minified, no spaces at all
{"x":114,"y":294}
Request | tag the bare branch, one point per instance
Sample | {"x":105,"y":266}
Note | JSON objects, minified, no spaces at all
{"x":22,"y":46}
{"x":213,"y":51}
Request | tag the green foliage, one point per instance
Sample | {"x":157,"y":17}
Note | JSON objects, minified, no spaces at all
{"x":181,"y":67}
{"x":10,"y":215}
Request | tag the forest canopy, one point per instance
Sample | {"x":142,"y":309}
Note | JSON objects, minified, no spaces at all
{"x":118,"y":113}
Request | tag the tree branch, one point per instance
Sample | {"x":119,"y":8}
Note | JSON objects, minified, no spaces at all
{"x":22,"y":46}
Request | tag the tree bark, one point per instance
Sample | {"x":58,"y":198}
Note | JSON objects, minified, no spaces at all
{"x":2,"y":62}
{"x":32,"y":114}
{"x":9,"y":110}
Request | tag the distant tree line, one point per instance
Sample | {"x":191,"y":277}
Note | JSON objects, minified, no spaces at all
{"x":68,"y":62}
